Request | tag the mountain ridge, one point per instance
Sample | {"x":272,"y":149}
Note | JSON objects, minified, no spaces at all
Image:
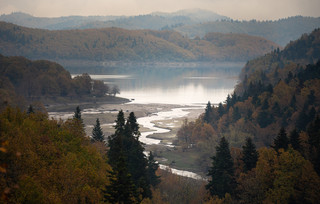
{"x":117,"y":44}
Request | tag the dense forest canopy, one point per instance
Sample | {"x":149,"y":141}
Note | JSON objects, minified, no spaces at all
{"x":275,"y":107}
{"x":114,"y":44}
{"x":25,"y":80}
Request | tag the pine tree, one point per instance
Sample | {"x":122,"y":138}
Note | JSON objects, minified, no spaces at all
{"x":250,"y":155}
{"x":222,"y":172}
{"x":30,"y":110}
{"x":151,"y":171}
{"x":314,"y":142}
{"x":136,"y":159}
{"x":115,"y":141}
{"x":295,"y":140}
{"x":220,"y":109}
{"x":77,"y":113}
{"x":121,"y":188}
{"x":97,"y":134}
{"x":126,"y":140}
{"x":78,"y":120}
{"x":208,"y":113}
{"x":281,"y":141}
{"x":134,"y":126}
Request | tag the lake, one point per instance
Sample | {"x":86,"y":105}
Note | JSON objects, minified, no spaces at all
{"x":183,"y":86}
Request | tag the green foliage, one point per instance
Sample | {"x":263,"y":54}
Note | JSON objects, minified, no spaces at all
{"x":153,"y":166}
{"x":281,"y":141}
{"x":121,"y":188}
{"x":126,"y":140}
{"x":208,"y":114}
{"x":222,"y":171}
{"x":250,"y":155}
{"x":97,"y":134}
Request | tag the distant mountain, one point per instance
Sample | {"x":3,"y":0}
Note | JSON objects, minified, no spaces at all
{"x":116,"y":44}
{"x":281,"y":31}
{"x":59,"y":23}
{"x":196,"y":15}
{"x":190,"y":23}
{"x":155,"y":21}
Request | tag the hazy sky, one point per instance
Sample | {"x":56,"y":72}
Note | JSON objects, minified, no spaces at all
{"x":236,"y":9}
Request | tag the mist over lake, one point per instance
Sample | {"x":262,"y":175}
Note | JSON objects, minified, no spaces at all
{"x":172,"y":85}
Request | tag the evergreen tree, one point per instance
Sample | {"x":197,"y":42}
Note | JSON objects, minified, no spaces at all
{"x":208,"y":113}
{"x":77,"y":113}
{"x":236,"y":114}
{"x":134,"y":126}
{"x":250,"y":155}
{"x":97,"y":134}
{"x":30,"y":110}
{"x":281,"y":141}
{"x":295,"y":140}
{"x":221,"y":172}
{"x":78,"y":119}
{"x":220,"y":110}
{"x":136,"y":159}
{"x":126,"y":140}
{"x":151,"y":171}
{"x":121,"y":188}
{"x":115,"y":141}
{"x":314,"y":142}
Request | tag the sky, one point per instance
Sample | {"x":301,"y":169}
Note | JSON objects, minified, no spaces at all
{"x":235,"y":9}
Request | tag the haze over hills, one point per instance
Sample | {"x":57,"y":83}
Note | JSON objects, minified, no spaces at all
{"x":190,"y":23}
{"x":155,"y":20}
{"x":116,"y":44}
{"x":281,"y":31}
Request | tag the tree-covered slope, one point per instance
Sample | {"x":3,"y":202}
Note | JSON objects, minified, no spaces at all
{"x":115,"y":44}
{"x":276,"y":91}
{"x":280,"y":31}
{"x":23,"y":80}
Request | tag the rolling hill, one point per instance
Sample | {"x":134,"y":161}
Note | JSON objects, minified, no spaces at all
{"x":116,"y":44}
{"x":190,"y":23}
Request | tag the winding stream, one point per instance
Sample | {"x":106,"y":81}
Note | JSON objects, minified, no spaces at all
{"x":165,"y":115}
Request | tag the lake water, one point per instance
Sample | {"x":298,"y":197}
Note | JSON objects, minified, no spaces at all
{"x":182,"y":86}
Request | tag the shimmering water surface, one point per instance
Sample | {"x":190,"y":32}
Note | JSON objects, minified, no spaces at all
{"x":174,"y":85}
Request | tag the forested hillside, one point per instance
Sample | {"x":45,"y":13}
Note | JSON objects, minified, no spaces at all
{"x":281,"y":31}
{"x":191,"y":23}
{"x":277,"y":105}
{"x":156,"y":20}
{"x":23,"y":80}
{"x":114,"y":44}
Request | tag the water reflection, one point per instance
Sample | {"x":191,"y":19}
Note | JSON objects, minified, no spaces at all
{"x":174,"y":85}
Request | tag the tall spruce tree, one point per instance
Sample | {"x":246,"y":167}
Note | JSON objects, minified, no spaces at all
{"x":295,"y":140}
{"x":281,"y":141}
{"x":250,"y":155}
{"x":222,"y":171}
{"x":136,"y":159}
{"x":115,"y":141}
{"x":30,"y":110}
{"x":151,"y":171}
{"x":126,"y":140}
{"x":121,"y":188}
{"x":77,"y":113}
{"x":97,"y":134}
{"x":208,"y":114}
